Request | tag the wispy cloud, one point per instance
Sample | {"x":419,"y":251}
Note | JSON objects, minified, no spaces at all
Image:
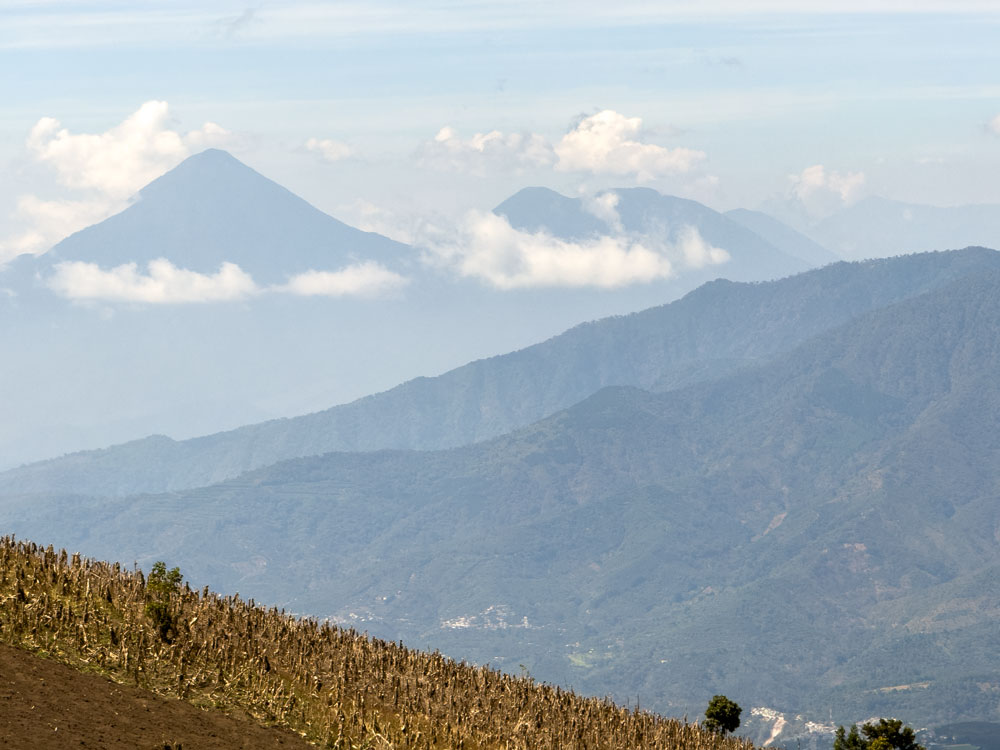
{"x":329,"y":149}
{"x":821,"y":191}
{"x":233,"y":25}
{"x":483,"y":153}
{"x":487,"y":247}
{"x":994,"y":125}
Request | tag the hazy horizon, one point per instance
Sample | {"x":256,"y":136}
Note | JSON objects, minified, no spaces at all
{"x":398,"y":118}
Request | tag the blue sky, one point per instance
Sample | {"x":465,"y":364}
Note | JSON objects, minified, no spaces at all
{"x":347,"y":103}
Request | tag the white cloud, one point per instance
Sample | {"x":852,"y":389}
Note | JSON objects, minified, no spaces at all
{"x":329,"y":149}
{"x":164,"y":283}
{"x":121,"y":160}
{"x":994,"y":125}
{"x":363,"y":279}
{"x":103,"y":169}
{"x":485,"y":152}
{"x":489,"y":248}
{"x":697,"y":252}
{"x":606,"y":143}
{"x":821,"y":192}
{"x":605,"y":207}
{"x":50,"y":221}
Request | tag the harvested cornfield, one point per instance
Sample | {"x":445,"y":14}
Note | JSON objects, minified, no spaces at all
{"x":335,"y":687}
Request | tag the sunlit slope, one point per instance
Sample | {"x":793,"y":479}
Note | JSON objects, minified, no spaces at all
{"x":336,"y":688}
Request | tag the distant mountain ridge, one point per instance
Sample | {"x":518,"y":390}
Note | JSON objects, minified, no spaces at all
{"x":710,"y":333}
{"x":816,"y":533}
{"x":784,"y":237}
{"x":877,"y":227}
{"x":101,"y":362}
{"x":644,"y":211}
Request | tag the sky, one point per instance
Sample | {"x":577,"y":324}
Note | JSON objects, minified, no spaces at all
{"x":397,"y":116}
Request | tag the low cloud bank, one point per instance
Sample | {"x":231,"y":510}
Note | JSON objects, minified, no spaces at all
{"x":163,"y":283}
{"x":363,"y":279}
{"x":487,"y":247}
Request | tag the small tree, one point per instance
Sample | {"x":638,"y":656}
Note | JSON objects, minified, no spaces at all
{"x":722,"y":715}
{"x":887,"y":734}
{"x":159,"y":586}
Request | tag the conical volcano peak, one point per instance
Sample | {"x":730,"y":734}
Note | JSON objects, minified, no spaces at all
{"x":210,"y":171}
{"x":212,"y":209}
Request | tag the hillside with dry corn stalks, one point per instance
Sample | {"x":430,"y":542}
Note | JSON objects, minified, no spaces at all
{"x":335,"y":687}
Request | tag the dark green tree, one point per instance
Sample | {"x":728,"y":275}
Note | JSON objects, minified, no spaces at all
{"x":722,"y":715}
{"x":887,"y":734}
{"x":159,"y":587}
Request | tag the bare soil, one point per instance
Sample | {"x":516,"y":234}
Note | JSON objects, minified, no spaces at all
{"x":44,"y":704}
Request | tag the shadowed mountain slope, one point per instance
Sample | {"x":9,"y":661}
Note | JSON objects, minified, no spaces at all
{"x":783,"y":237}
{"x":817,"y":534}
{"x":712,"y":332}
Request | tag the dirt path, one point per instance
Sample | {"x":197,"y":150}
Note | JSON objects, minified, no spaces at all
{"x":44,"y":704}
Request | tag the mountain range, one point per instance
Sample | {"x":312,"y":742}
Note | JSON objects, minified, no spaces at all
{"x":644,"y":212}
{"x":805,"y":521}
{"x":877,"y":227}
{"x":716,"y":330}
{"x":310,"y":313}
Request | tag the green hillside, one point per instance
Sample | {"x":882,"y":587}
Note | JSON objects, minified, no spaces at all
{"x":816,"y":534}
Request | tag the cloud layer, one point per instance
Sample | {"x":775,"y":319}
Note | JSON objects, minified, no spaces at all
{"x":487,"y":247}
{"x":159,"y":22}
{"x":163,"y":283}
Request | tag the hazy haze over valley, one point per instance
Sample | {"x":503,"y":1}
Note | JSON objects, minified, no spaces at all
{"x":650,"y":346}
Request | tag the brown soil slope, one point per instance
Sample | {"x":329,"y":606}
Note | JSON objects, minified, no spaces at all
{"x":44,"y":704}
